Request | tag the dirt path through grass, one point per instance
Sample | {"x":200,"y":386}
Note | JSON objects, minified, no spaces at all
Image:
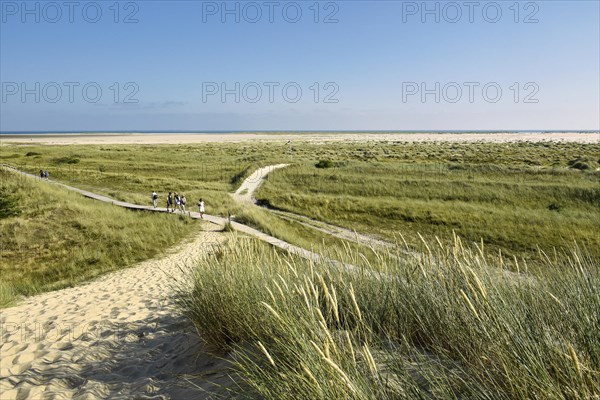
{"x":245,"y":194}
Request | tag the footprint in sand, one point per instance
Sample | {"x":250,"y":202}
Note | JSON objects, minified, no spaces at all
{"x":120,"y":335}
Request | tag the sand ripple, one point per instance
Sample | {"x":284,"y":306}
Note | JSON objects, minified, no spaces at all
{"x":118,"y":337}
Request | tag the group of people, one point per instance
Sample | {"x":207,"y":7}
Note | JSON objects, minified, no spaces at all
{"x":177,"y":202}
{"x":44,"y":174}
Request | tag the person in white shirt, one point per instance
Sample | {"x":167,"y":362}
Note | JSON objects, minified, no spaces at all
{"x":201,"y":208}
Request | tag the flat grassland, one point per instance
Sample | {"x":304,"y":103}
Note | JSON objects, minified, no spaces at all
{"x":513,"y":196}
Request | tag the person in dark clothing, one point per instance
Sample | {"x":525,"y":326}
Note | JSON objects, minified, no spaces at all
{"x":177,"y":201}
{"x":170,"y":203}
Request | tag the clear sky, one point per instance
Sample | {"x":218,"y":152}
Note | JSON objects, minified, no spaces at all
{"x":304,"y":65}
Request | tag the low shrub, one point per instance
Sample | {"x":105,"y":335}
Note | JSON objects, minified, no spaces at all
{"x":555,"y":207}
{"x":580,"y":163}
{"x":324,"y":164}
{"x":66,"y":160}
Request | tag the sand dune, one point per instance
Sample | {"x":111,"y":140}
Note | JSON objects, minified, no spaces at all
{"x":120,"y":336}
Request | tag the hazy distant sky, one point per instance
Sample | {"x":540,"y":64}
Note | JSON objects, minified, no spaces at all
{"x":360,"y":65}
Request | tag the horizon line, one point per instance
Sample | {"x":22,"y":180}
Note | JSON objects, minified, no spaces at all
{"x":41,"y":132}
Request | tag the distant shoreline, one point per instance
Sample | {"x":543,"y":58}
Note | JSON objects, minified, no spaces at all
{"x":274,"y":132}
{"x":105,"y":138}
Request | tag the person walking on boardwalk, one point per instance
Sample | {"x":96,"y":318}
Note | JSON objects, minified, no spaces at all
{"x":177,"y":202}
{"x":154,"y":199}
{"x":183,"y":201}
{"x":170,"y":203}
{"x":201,"y":208}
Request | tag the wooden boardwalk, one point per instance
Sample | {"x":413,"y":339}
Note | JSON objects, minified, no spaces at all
{"x":221,"y":221}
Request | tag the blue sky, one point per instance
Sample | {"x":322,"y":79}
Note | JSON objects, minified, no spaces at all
{"x":347,"y":65}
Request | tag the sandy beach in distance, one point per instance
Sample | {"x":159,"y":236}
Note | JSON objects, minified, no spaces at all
{"x":189,"y":138}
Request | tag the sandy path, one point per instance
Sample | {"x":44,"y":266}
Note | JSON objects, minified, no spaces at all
{"x":245,"y":192}
{"x":334,"y":230}
{"x":120,"y":336}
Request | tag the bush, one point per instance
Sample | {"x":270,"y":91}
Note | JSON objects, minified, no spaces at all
{"x":580,"y":163}
{"x":32,"y":153}
{"x":555,"y":207}
{"x":66,"y":160}
{"x":324,"y":164}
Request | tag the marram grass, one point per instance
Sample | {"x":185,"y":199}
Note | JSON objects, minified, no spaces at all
{"x":454,"y":323}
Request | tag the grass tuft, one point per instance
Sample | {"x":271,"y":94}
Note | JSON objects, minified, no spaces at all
{"x":453,"y":324}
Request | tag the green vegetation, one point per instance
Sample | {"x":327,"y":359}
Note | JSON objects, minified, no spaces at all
{"x":298,"y":234}
{"x":452,"y":324}
{"x":514,"y":208}
{"x":581,"y":164}
{"x":131,"y":173}
{"x":515,"y":196}
{"x":9,"y":203}
{"x":324,"y":164}
{"x":53,"y":238}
